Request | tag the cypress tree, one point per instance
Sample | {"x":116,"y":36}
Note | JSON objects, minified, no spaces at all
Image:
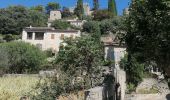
{"x":112,"y":7}
{"x":79,"y":10}
{"x":96,"y":4}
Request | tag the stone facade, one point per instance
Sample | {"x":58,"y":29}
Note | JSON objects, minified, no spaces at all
{"x":115,"y":52}
{"x":55,"y":15}
{"x":86,"y":9}
{"x":126,"y":11}
{"x":47,"y":38}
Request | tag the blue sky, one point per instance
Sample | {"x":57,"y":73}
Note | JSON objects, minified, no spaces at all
{"x":121,"y":4}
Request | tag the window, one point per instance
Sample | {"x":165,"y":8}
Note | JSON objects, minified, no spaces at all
{"x":39,"y":36}
{"x":52,"y":36}
{"x":62,"y":36}
{"x":29,"y":35}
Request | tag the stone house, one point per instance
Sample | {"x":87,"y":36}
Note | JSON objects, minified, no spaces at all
{"x":46,"y":37}
{"x":113,"y":50}
{"x":54,"y":15}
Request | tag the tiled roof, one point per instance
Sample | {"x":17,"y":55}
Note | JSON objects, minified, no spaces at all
{"x":111,"y":40}
{"x":46,"y":29}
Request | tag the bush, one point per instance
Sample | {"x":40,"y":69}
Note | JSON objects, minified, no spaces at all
{"x":49,"y":53}
{"x":22,"y":57}
{"x":102,"y":14}
{"x":130,"y":88}
{"x":60,"y":24}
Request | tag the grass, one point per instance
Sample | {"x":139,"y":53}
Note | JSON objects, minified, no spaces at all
{"x":152,"y":90}
{"x":12,"y":88}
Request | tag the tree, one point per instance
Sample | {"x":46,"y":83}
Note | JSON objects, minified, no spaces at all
{"x":15,"y":18}
{"x":38,"y":8}
{"x":102,"y":14}
{"x":112,"y":7}
{"x":52,"y":6}
{"x":79,"y":10}
{"x":23,"y":57}
{"x":93,"y":28}
{"x":96,"y":5}
{"x":66,"y":13}
{"x":38,"y":19}
{"x":147,"y":32}
{"x":57,"y":24}
{"x":134,"y":69}
{"x":81,"y":55}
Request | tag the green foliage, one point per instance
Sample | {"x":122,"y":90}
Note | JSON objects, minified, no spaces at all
{"x":57,"y":24}
{"x":130,"y":88}
{"x":66,"y":13}
{"x":134,"y":70}
{"x":15,"y":18}
{"x":22,"y":57}
{"x":38,"y":8}
{"x":112,"y":7}
{"x":95,"y":5}
{"x":10,"y":37}
{"x":52,"y":6}
{"x":38,"y":19}
{"x":54,"y":87}
{"x":79,"y":10}
{"x":79,"y":55}
{"x":3,"y":59}
{"x":49,"y":53}
{"x":87,"y":18}
{"x":93,"y":28}
{"x":148,"y":32}
{"x":102,"y":14}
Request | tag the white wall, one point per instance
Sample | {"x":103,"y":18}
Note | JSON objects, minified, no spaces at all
{"x":49,"y":43}
{"x":119,"y":53}
{"x":55,"y":15}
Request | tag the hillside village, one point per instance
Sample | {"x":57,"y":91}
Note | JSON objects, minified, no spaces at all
{"x":84,"y":53}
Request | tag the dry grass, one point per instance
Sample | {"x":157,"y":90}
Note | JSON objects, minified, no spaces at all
{"x":12,"y":88}
{"x":153,"y":90}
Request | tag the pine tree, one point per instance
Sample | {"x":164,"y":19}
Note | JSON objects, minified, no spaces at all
{"x":96,"y":4}
{"x":79,"y":10}
{"x":112,"y":7}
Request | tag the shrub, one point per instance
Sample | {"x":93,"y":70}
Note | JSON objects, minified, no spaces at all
{"x":130,"y":88}
{"x":22,"y":57}
{"x":60,"y":24}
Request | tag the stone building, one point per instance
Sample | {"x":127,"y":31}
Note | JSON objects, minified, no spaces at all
{"x":126,"y":11}
{"x":54,"y":15}
{"x":46,"y":37}
{"x":86,"y":7}
{"x":115,"y":51}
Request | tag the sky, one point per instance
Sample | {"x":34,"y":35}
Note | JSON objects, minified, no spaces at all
{"x":121,"y":4}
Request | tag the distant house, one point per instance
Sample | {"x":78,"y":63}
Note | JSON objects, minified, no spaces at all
{"x":47,"y":38}
{"x":72,"y":21}
{"x":76,"y":22}
{"x":86,"y":7}
{"x":54,"y":15}
{"x":113,"y":50}
{"x":126,"y":11}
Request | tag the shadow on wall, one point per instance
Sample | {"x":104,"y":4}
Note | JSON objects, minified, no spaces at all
{"x":110,"y":53}
{"x":168,"y":96}
{"x":108,"y":87}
